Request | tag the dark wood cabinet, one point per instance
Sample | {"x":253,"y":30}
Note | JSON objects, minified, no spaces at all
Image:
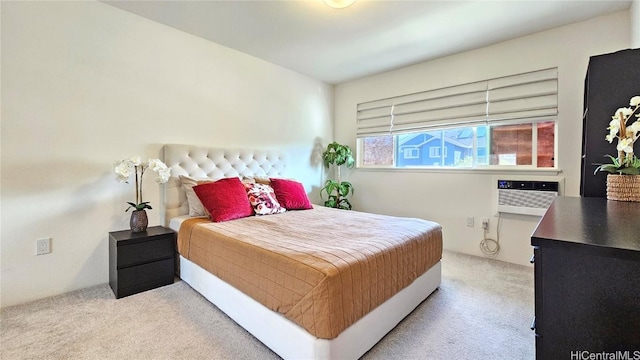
{"x":140,"y":261}
{"x":587,"y":278}
{"x":611,"y":81}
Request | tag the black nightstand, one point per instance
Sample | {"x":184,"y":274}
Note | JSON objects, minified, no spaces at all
{"x":140,"y":261}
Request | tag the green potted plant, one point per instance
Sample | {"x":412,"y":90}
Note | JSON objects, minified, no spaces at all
{"x":337,"y":191}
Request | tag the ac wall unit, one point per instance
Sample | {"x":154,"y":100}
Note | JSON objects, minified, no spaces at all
{"x":526,"y":197}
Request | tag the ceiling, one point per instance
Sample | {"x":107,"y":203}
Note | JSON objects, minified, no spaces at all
{"x":338,"y":45}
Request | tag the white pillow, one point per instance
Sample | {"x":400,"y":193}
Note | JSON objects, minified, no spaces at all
{"x":256,"y":179}
{"x":195,"y":205}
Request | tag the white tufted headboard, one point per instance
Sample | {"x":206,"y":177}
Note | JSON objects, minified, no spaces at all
{"x":203,"y":162}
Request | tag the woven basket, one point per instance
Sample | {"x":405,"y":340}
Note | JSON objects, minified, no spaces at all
{"x":623,"y":187}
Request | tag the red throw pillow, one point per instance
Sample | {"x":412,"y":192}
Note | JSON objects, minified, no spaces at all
{"x":225,"y":199}
{"x":291,"y":194}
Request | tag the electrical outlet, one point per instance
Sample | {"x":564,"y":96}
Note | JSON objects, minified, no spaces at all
{"x":470,"y":221}
{"x":485,"y":223}
{"x":43,"y":246}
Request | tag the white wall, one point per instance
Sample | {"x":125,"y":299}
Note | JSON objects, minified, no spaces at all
{"x":85,"y":84}
{"x":634,"y":13}
{"x":449,"y":198}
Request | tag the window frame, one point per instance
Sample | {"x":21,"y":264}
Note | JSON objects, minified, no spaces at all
{"x":434,"y":152}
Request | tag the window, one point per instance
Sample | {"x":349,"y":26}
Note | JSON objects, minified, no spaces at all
{"x":411,"y":153}
{"x":434,"y":152}
{"x":504,"y":122}
{"x":377,"y":150}
{"x":502,"y":145}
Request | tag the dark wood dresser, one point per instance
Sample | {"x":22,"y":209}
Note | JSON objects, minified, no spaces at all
{"x":140,"y":261}
{"x":587,"y":278}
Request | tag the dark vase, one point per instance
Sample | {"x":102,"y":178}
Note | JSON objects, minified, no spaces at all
{"x":139,"y":221}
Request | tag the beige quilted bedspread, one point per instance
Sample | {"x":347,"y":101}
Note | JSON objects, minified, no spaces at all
{"x":323,"y":268}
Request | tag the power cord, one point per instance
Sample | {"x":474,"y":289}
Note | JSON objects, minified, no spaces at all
{"x":488,"y":246}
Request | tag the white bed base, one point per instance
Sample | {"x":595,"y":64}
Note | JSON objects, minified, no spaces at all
{"x":289,"y":340}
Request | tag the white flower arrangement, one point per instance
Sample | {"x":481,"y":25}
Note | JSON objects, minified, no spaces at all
{"x":627,"y":134}
{"x":124,"y":168}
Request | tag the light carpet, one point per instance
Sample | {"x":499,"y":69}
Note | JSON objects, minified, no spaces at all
{"x":482,"y":310}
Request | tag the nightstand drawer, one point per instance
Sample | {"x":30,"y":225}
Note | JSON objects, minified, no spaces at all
{"x":144,"y":277}
{"x":156,"y":248}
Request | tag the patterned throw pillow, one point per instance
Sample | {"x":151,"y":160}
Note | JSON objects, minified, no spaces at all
{"x":263,"y":199}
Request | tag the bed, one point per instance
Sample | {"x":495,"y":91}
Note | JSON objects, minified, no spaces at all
{"x":303,"y":295}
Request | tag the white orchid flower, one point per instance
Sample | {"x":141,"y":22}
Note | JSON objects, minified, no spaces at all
{"x":135,"y":161}
{"x":635,"y":101}
{"x":633,"y":130}
{"x":163,"y":175}
{"x":154,"y":164}
{"x":626,"y":112}
{"x":614,"y":127}
{"x":122,"y":171}
{"x":625,"y":145}
{"x":614,"y":124}
{"x":161,"y":169}
{"x":134,"y":165}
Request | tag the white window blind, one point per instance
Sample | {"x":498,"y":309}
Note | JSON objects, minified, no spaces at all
{"x":526,"y":96}
{"x":532,"y":95}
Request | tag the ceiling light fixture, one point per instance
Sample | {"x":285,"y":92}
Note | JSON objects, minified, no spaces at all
{"x":339,"y":4}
